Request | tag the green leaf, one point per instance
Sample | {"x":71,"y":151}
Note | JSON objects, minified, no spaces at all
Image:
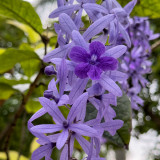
{"x":12,"y":56}
{"x":23,"y":12}
{"x":6,"y":91}
{"x":33,"y":106}
{"x":148,"y":8}
{"x":13,"y":156}
{"x":124,"y":112}
{"x":1,"y":50}
{"x":91,"y":112}
{"x":30,"y":67}
{"x":144,"y":8}
{"x":31,"y":34}
{"x":13,"y":81}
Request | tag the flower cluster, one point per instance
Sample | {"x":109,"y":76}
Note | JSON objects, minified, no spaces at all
{"x":87,"y":71}
{"x":135,"y":62}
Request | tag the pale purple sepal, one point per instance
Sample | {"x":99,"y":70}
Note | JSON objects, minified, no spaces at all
{"x":52,"y":109}
{"x":62,"y":139}
{"x":68,"y":9}
{"x":79,"y":40}
{"x":62,"y":76}
{"x":77,"y":106}
{"x":66,"y":23}
{"x":77,"y":90}
{"x":116,"y":51}
{"x":70,"y":65}
{"x":129,"y":7}
{"x":58,"y":53}
{"x":98,"y":26}
{"x":108,"y":84}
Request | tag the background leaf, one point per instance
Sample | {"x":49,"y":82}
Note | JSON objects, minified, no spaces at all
{"x":6,"y":91}
{"x":23,"y":12}
{"x":13,"y":81}
{"x":144,"y":8}
{"x":12,"y":56}
{"x":33,"y":106}
{"x":123,"y":111}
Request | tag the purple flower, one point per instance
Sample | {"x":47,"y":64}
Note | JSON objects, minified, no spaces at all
{"x":92,"y":64}
{"x":66,"y":125}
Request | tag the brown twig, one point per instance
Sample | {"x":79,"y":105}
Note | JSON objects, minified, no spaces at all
{"x":155,"y":45}
{"x":22,"y":140}
{"x":9,"y":129}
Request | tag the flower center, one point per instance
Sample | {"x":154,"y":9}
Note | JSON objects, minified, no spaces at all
{"x":56,"y":99}
{"x":65,"y":124}
{"x":93,"y":59}
{"x":53,"y":145}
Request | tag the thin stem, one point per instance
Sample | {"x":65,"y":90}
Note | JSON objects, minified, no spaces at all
{"x":10,"y":128}
{"x":22,"y":140}
{"x":155,"y":45}
{"x":67,"y":106}
{"x":69,"y":147}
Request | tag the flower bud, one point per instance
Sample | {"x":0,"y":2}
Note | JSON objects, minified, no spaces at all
{"x":49,"y":70}
{"x":48,"y":94}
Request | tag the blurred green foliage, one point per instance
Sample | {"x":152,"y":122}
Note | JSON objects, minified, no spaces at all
{"x":21,"y":39}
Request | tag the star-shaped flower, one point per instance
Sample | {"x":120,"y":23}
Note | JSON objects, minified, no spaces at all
{"x":65,"y":125}
{"x":92,"y":64}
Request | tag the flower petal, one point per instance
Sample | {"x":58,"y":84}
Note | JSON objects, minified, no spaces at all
{"x":77,"y":89}
{"x":47,"y":128}
{"x":79,"y":40}
{"x":117,"y":75}
{"x":78,"y":54}
{"x":107,"y":63}
{"x":108,"y":99}
{"x":62,"y":139}
{"x":63,"y":100}
{"x":110,"y":85}
{"x":84,"y":130}
{"x":64,"y":153}
{"x":52,"y":109}
{"x":112,"y":126}
{"x":95,"y":7}
{"x":116,"y":51}
{"x":125,"y":35}
{"x":97,"y":48}
{"x":78,"y":21}
{"x":41,"y":152}
{"x":98,"y":26}
{"x":62,"y":76}
{"x":79,"y":103}
{"x":68,"y":9}
{"x":83,"y":142}
{"x":70,"y":65}
{"x":66,"y":23}
{"x":53,"y":138}
{"x":129,"y":7}
{"x":112,"y":32}
{"x":58,"y":53}
{"x":52,"y":86}
{"x":81,"y":70}
{"x":94,"y":72}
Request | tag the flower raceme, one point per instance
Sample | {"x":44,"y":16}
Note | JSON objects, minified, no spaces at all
{"x":86,"y":71}
{"x":135,"y":62}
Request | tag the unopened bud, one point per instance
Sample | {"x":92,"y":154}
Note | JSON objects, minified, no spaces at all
{"x":49,"y":70}
{"x":48,"y":94}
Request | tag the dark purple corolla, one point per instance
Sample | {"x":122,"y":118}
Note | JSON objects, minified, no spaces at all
{"x":92,"y":64}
